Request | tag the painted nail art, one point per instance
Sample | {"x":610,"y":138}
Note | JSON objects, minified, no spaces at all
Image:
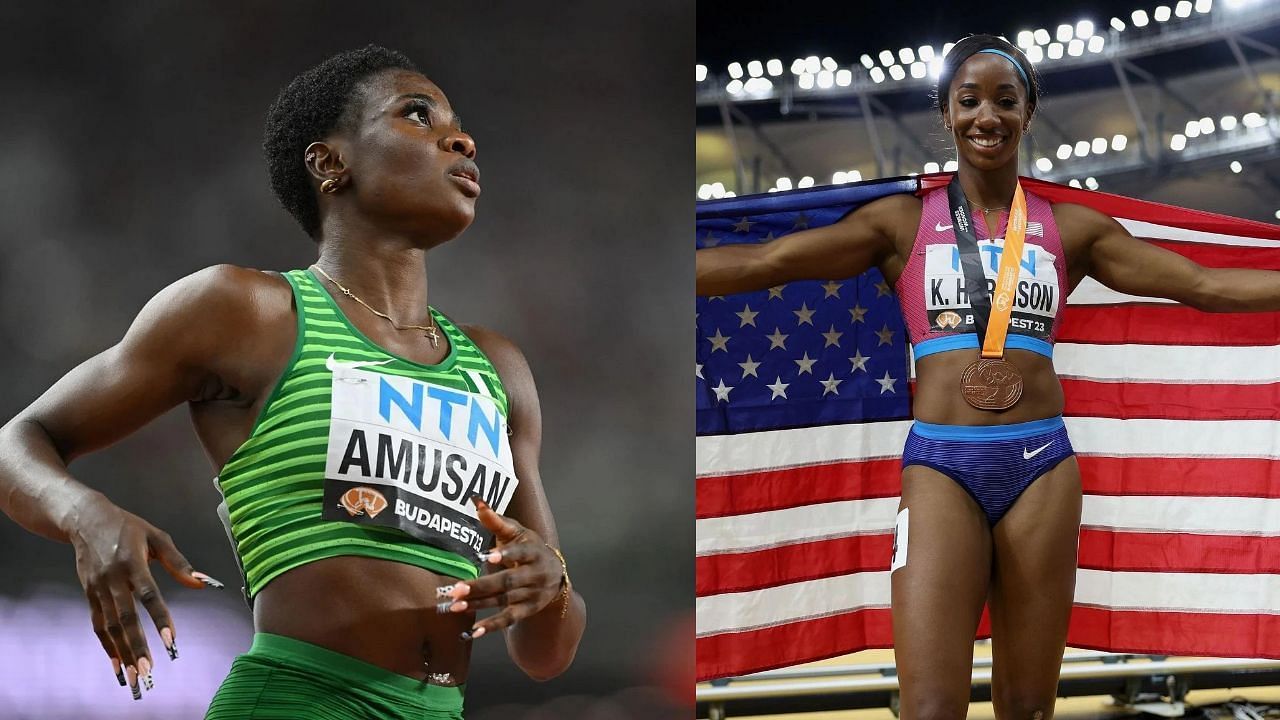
{"x":477,"y":633}
{"x":443,"y":591}
{"x":207,"y":580}
{"x":166,"y":635}
{"x":119,"y":672}
{"x":132,"y":673}
{"x":144,"y":671}
{"x":466,"y":635}
{"x":442,"y":608}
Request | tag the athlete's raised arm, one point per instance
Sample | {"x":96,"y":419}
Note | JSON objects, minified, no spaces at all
{"x":543,"y":616}
{"x":1123,"y":263}
{"x":857,"y":242}
{"x":169,"y":355}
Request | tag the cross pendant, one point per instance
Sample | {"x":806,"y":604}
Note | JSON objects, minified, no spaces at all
{"x":433,"y":337}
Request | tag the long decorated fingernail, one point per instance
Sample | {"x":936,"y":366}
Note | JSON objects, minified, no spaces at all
{"x":442,"y":608}
{"x":207,"y":580}
{"x":493,"y":557}
{"x":477,"y":632}
{"x":166,"y":634}
{"x":460,"y":590}
{"x":132,"y":673}
{"x":144,"y":671}
{"x":443,"y":591}
{"x":466,"y":635}
{"x":115,"y":665}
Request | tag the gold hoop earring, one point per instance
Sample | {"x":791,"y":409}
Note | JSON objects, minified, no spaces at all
{"x":330,"y":186}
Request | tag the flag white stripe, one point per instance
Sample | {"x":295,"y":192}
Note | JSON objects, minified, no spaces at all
{"x":787,"y":603}
{"x":1204,"y":364}
{"x":757,"y":531}
{"x":780,"y":449}
{"x":748,"y":532}
{"x":1168,"y":592}
{"x":1140,"y":229}
{"x":1092,"y":292}
{"x":1205,"y":592}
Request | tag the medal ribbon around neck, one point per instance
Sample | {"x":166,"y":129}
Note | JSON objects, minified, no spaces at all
{"x":991,"y":382}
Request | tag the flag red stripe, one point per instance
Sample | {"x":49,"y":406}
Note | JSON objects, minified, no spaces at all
{"x":1207,"y":477}
{"x":1171,"y":401}
{"x":1178,"y":552}
{"x":736,"y":572}
{"x":1176,"y":633}
{"x":1214,"y":255}
{"x":723,"y":495}
{"x":1162,"y":324}
{"x":731,"y":654}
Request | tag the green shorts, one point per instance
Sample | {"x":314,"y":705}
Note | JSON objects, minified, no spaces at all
{"x":285,"y":679}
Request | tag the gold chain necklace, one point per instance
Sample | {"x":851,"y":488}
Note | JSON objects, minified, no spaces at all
{"x":429,"y":330}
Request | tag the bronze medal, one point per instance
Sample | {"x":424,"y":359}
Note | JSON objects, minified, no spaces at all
{"x":991,"y":384}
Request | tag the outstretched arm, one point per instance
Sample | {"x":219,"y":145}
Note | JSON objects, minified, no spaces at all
{"x":857,"y":242}
{"x":1124,"y":263}
{"x":158,"y":364}
{"x":543,"y":624}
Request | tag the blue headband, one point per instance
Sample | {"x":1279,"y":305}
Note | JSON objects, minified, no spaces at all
{"x":1025,"y":80}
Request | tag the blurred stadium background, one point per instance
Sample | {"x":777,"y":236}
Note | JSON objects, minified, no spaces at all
{"x":131,"y":136}
{"x":1173,"y":102}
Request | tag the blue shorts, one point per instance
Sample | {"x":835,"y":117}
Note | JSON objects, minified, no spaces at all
{"x":993,"y":463}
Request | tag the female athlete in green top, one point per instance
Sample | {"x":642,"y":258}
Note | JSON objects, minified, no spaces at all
{"x":369,"y":157}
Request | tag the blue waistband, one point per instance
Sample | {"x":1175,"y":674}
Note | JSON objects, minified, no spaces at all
{"x":970,"y":340}
{"x":988,"y":432}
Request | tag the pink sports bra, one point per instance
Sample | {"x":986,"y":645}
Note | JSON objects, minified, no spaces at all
{"x":932,"y":293}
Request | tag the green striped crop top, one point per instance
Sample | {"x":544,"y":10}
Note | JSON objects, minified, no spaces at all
{"x":360,"y":452}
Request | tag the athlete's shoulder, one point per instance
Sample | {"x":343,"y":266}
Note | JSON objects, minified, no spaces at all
{"x":221,"y":300}
{"x":501,"y":350}
{"x":1081,"y":221}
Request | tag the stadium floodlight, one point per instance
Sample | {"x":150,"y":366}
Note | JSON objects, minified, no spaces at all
{"x":784,"y":183}
{"x":1099,"y":146}
{"x":797,"y":66}
{"x":812,"y":64}
{"x":925,"y":53}
{"x":1091,"y":183}
{"x":866,"y":61}
{"x":755,"y":68}
{"x":1064,"y":151}
{"x":806,"y":81}
{"x":932,"y":167}
{"x":1075,"y":48}
{"x":950,"y":166}
{"x":1117,"y":24}
{"x":1227,"y":123}
{"x":1236,"y":167}
{"x":907,"y":55}
{"x":1063,"y":34}
{"x":758,"y":85}
{"x":1204,"y":6}
{"x":1182,"y":9}
{"x":1139,"y":18}
{"x":1278,"y":214}
{"x":1084,"y":29}
{"x":897,"y":73}
{"x":805,"y":182}
{"x":1074,"y":183}
{"x":1082,"y":148}
{"x":1044,"y":164}
{"x":829,"y":64}
{"x":1095,"y":43}
{"x":855,"y":176}
{"x":701,"y":72}
{"x":886,"y":58}
{"x":735,"y":70}
{"x":844,"y":77}
{"x":1026,"y":39}
{"x":877,"y":75}
{"x":774,"y":67}
{"x":1178,"y":141}
{"x":1206,"y":125}
{"x":1042,"y":36}
{"x":1192,"y":129}
{"x":1253,"y":120}
{"x":1055,"y":51}
{"x":1119,"y":143}
{"x":1162,"y":13}
{"x":730,"y":193}
{"x":918,"y":69}
{"x":935,"y":67}
{"x":734,"y":87}
{"x":717,"y":190}
{"x":1035,"y":54}
{"x":704,"y":191}
{"x":839,"y":177}
{"x":826,"y":79}
{"x":946,"y":48}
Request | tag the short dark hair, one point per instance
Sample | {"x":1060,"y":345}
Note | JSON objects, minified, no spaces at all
{"x":967,"y":47}
{"x":309,"y":108}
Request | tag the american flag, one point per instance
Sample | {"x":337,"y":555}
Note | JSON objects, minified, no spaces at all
{"x":803,"y":405}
